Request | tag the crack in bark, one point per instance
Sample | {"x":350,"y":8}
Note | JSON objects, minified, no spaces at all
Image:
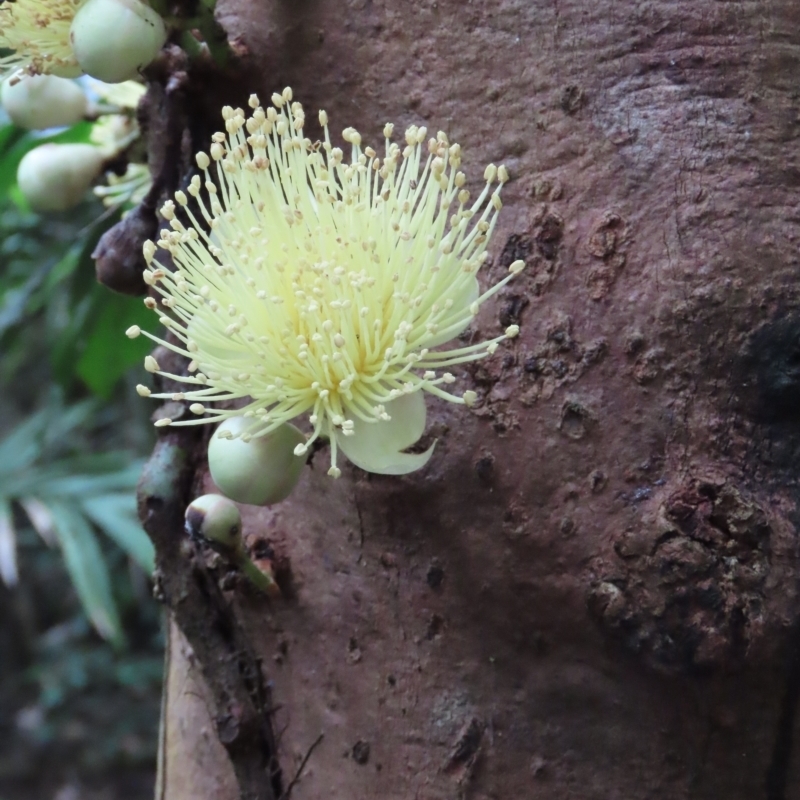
{"x":360,"y":520}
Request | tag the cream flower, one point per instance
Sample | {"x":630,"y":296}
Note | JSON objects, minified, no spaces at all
{"x":125,"y":190}
{"x":124,"y":95}
{"x":309,"y":283}
{"x":38,"y":33}
{"x":113,"y":133}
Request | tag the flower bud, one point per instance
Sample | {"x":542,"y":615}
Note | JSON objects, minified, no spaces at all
{"x":43,"y":101}
{"x":55,"y":177}
{"x":214,"y":519}
{"x":114,"y":39}
{"x":261,"y":471}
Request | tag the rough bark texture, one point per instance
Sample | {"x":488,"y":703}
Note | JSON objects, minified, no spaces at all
{"x":591,"y":591}
{"x":193,"y":761}
{"x":219,"y":653}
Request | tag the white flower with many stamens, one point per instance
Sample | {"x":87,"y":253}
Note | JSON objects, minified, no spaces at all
{"x":309,"y":283}
{"x":38,"y":33}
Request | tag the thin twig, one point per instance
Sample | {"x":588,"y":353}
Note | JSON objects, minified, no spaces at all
{"x":293,"y":781}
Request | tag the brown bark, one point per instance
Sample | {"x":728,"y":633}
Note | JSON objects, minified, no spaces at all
{"x":193,"y":761}
{"x":591,"y":591}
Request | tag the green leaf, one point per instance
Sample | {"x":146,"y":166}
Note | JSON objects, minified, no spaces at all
{"x":86,"y":300}
{"x":64,"y":421}
{"x":87,"y":569}
{"x":116,"y":464}
{"x":15,"y":302}
{"x":64,"y":267}
{"x":23,"y":445}
{"x":115,"y":515}
{"x":9,"y":134}
{"x":76,"y":477}
{"x":87,"y":485}
{"x":108,"y":353}
{"x":68,"y":345}
{"x":8,"y":545}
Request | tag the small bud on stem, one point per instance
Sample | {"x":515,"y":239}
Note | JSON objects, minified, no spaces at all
{"x":215,"y":521}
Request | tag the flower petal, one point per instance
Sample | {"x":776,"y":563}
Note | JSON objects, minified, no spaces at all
{"x":375,"y":447}
{"x":391,"y":464}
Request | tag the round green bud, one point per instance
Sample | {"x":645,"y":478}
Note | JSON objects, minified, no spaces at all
{"x":114,"y":39}
{"x":215,"y":519}
{"x":261,"y":471}
{"x":55,"y":177}
{"x":43,"y":101}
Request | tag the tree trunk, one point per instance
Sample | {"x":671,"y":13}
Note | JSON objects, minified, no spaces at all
{"x":591,"y":590}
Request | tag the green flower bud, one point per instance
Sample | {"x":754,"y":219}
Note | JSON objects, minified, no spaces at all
{"x":55,"y":177}
{"x":114,"y":39}
{"x":214,"y":519}
{"x":42,"y":101}
{"x":261,"y":471}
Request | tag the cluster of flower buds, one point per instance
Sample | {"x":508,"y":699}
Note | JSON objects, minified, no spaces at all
{"x":43,"y":101}
{"x":111,"y":40}
{"x":56,"y":177}
{"x":48,"y":43}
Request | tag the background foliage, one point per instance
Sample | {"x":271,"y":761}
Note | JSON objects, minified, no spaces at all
{"x":80,"y":635}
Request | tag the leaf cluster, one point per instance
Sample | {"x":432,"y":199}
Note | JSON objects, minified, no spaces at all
{"x":58,"y":327}
{"x":50,"y":303}
{"x":66,"y":494}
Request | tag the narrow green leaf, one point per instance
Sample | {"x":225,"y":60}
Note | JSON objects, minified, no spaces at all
{"x":78,"y":476}
{"x":66,"y":420}
{"x":114,"y":461}
{"x":113,"y":473}
{"x":23,"y":445}
{"x":9,"y":134}
{"x":115,"y":515}
{"x":8,"y":545}
{"x":87,"y":569}
{"x":71,"y":339}
{"x":80,"y":486}
{"x":40,"y":518}
{"x":15,"y":303}
{"x":64,"y":267}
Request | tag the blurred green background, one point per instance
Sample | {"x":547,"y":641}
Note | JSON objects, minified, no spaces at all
{"x":81,"y":639}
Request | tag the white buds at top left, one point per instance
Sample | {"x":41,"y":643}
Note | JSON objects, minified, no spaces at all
{"x":55,"y":177}
{"x":114,"y":39}
{"x":36,"y":102}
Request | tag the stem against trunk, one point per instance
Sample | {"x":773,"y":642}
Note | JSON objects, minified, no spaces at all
{"x":240,"y":699}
